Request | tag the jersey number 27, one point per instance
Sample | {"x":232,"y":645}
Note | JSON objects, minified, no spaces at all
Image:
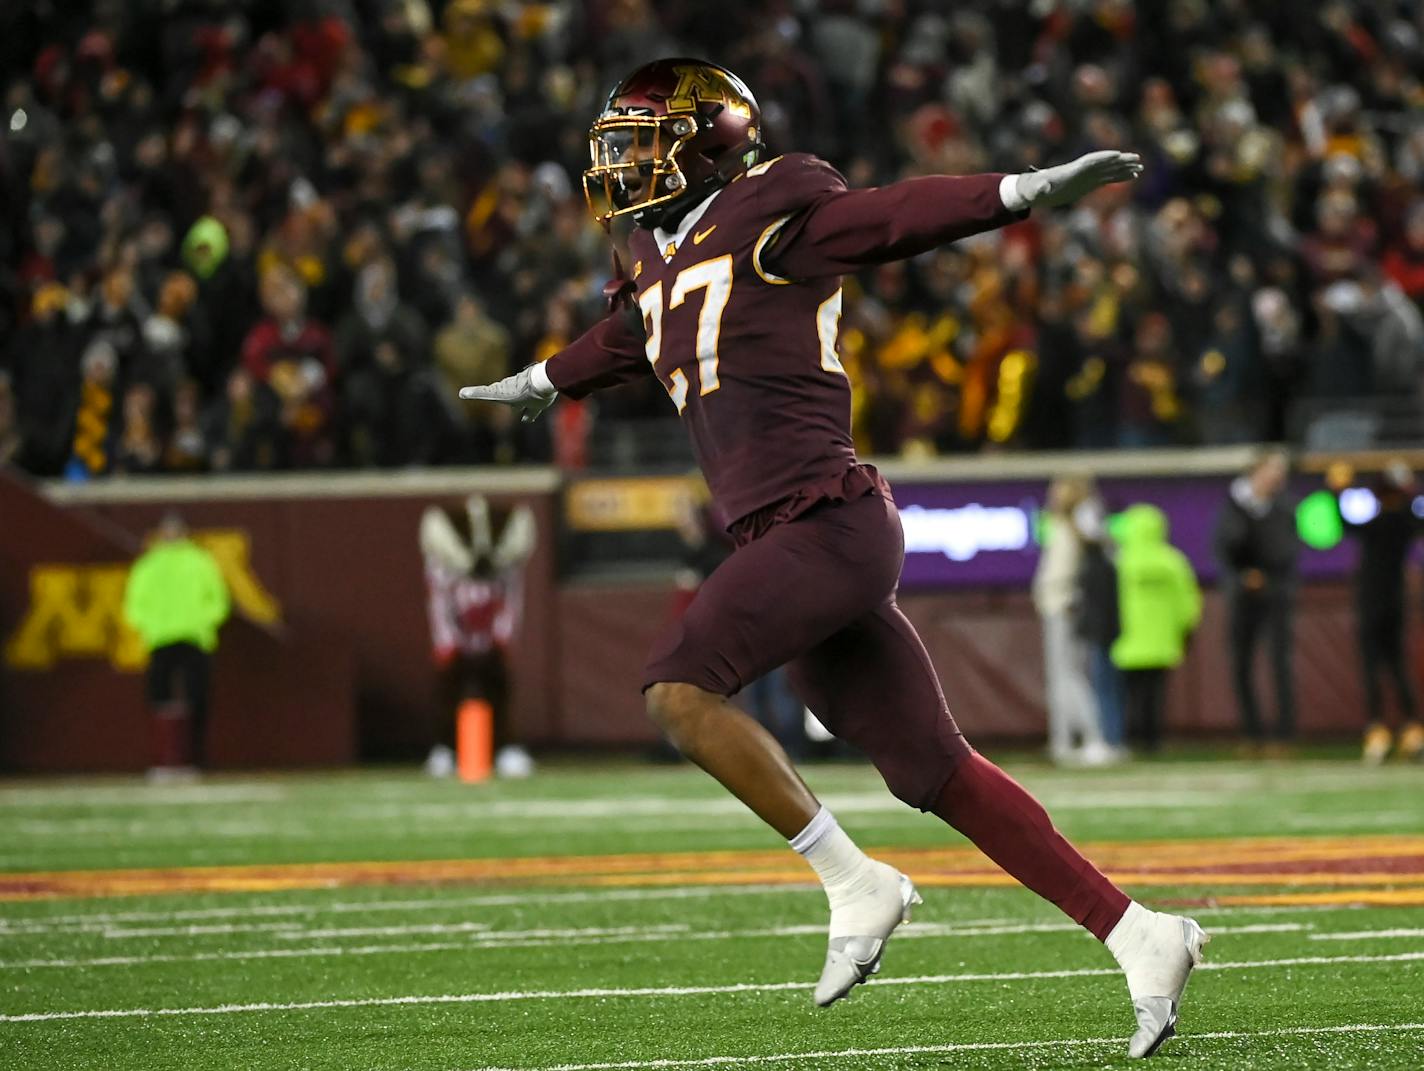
{"x":715,"y":277}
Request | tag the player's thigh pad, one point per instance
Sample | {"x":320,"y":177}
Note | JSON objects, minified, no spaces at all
{"x":872,"y":685}
{"x":780,"y":595}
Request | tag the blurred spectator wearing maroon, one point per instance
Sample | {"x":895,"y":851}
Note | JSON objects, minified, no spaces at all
{"x":291,"y":353}
{"x":1285,"y":156}
{"x":1404,"y":262}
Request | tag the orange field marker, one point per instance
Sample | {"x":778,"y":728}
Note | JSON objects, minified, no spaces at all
{"x":474,"y":740}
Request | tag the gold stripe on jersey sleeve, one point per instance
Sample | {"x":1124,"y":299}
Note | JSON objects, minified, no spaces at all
{"x":761,"y":243}
{"x":762,"y":168}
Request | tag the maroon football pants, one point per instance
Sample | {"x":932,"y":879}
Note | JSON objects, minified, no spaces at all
{"x":817,"y":593}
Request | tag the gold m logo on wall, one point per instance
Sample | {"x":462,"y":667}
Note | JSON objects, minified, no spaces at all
{"x":76,"y":611}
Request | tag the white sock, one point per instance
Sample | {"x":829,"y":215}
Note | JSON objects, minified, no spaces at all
{"x":1148,"y":946}
{"x":856,"y":885}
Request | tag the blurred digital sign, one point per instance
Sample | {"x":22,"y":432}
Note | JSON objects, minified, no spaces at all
{"x":982,"y":534}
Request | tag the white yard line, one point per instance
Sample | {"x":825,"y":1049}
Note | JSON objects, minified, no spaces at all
{"x":656,"y":807}
{"x":104,"y":921}
{"x":489,"y":934}
{"x":202,"y":931}
{"x":428,"y":820}
{"x":293,"y":931}
{"x":1261,"y":927}
{"x":971,"y":1046}
{"x":1268,"y":909}
{"x":262,"y":953}
{"x":1366,"y":935}
{"x":99,"y":920}
{"x":141,"y":795}
{"x":1348,"y":820}
{"x":289,"y":929}
{"x":296,"y":931}
{"x":515,"y":939}
{"x":519,"y":939}
{"x":657,"y":991}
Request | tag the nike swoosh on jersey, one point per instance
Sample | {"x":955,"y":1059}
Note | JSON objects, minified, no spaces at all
{"x":697,"y":238}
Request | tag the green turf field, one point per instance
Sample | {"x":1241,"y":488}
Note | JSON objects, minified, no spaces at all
{"x":182,"y":927}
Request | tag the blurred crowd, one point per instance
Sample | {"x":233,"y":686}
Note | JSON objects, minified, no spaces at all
{"x":257,"y":234}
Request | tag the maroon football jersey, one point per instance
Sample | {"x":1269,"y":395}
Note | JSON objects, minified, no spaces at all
{"x":741,"y":306}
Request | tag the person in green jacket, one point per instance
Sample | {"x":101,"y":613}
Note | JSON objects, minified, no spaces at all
{"x":1159,"y":604}
{"x":176,"y":599}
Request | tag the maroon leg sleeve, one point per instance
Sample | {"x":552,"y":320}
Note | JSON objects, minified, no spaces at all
{"x":1012,"y":828}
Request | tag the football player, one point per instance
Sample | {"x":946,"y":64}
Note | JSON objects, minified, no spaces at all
{"x":730,"y":293}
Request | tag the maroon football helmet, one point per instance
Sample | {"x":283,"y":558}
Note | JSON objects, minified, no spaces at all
{"x":672,"y":132}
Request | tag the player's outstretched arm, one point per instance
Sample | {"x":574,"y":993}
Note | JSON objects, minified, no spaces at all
{"x":843,"y":230}
{"x":1066,"y":183}
{"x":609,"y":353}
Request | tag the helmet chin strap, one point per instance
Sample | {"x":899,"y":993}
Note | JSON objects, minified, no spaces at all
{"x":731,"y":164}
{"x":673,"y":214}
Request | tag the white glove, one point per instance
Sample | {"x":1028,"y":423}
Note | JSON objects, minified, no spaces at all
{"x":528,"y":391}
{"x":1066,"y":183}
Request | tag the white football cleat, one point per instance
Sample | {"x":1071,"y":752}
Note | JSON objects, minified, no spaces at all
{"x":851,"y":959}
{"x":1157,"y":1015}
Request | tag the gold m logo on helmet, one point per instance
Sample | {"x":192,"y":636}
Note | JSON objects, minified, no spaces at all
{"x":696,"y":84}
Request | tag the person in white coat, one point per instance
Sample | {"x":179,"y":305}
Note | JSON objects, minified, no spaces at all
{"x":1075,"y":734}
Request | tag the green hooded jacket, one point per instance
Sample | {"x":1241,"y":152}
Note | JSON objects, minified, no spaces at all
{"x":176,"y":594}
{"x":1158,"y":598}
{"x":205,"y":247}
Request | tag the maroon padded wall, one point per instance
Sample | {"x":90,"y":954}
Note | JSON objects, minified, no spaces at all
{"x":348,"y":672}
{"x":988,"y":650}
{"x":282,"y":697}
